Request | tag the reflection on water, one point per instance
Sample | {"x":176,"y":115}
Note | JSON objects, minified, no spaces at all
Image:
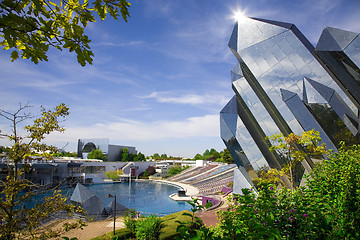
{"x":145,"y":197}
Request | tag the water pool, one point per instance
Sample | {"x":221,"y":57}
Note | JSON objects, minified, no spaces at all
{"x":145,"y":197}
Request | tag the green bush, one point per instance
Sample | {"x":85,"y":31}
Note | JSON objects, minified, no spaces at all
{"x":149,"y":228}
{"x":327,"y":208}
{"x":130,"y":221}
{"x":336,"y":181}
{"x":208,"y":205}
{"x":120,"y":234}
{"x":177,"y":170}
{"x":168,"y":231}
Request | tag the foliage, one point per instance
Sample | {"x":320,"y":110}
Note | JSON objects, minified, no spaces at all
{"x":130,"y":221}
{"x":124,"y":154}
{"x":327,"y":208}
{"x":225,"y":157}
{"x":151,"y":170}
{"x":208,"y":205}
{"x":176,"y":170}
{"x":294,"y":149}
{"x":337,"y":182}
{"x":270,"y":175}
{"x":213,"y":155}
{"x":139,"y":157}
{"x":149,"y":228}
{"x":64,"y":154}
{"x":17,"y":219}
{"x":271,"y":215}
{"x":30,"y":27}
{"x":168,"y":231}
{"x":193,"y":229}
{"x":164,"y":156}
{"x":113,"y":174}
{"x":96,"y":154}
{"x":42,"y":126}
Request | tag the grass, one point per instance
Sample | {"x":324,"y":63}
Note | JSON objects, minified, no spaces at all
{"x":168,"y":232}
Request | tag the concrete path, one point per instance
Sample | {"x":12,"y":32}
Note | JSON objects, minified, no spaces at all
{"x":94,"y":229}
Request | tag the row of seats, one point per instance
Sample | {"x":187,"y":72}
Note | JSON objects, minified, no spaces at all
{"x":213,"y":188}
{"x":192,"y":172}
{"x":209,"y":179}
{"x":220,"y":169}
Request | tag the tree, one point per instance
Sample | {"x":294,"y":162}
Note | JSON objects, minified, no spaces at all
{"x":96,"y":154}
{"x":17,"y":220}
{"x":295,"y":148}
{"x":124,"y":155}
{"x":206,"y":153}
{"x":30,"y":27}
{"x":139,"y":157}
{"x":226,"y":156}
{"x":113,"y":174}
{"x":156,"y":156}
{"x":198,"y":157}
{"x":64,"y":154}
{"x":150,"y":170}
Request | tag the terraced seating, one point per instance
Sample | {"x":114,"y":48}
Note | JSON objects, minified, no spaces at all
{"x":209,"y":179}
{"x":201,"y":176}
{"x":215,"y":187}
{"x":192,"y":172}
{"x":208,"y":174}
{"x":214,"y":179}
{"x":181,"y":175}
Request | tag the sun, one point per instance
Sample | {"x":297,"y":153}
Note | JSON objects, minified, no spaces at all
{"x":239,"y":15}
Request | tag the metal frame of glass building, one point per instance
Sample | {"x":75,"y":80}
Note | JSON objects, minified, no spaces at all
{"x":283,"y":84}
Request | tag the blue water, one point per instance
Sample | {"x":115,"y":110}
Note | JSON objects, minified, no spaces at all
{"x":145,"y":197}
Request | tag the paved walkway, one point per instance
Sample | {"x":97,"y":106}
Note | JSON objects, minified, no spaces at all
{"x":94,"y":229}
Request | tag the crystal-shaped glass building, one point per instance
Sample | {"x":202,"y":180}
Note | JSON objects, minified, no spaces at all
{"x":283,"y":84}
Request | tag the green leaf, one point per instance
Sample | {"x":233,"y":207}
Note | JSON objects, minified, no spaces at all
{"x":14,"y":55}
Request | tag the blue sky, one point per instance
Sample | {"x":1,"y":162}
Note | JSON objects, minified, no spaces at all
{"x":159,"y":81}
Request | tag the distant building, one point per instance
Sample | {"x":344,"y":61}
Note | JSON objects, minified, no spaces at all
{"x":69,"y":171}
{"x":85,"y":146}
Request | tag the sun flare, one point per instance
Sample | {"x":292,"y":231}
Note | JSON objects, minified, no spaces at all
{"x":239,"y":15}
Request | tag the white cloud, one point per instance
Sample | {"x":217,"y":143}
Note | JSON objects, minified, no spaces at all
{"x":118,"y":44}
{"x":126,"y":130}
{"x":193,"y":99}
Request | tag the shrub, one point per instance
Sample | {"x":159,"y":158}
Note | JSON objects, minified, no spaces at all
{"x":269,"y":214}
{"x":177,"y":170}
{"x":130,"y":221}
{"x":336,"y":182}
{"x":149,"y":228}
{"x":208,"y":205}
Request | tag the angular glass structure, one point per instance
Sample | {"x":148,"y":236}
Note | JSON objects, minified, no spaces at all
{"x":283,"y":84}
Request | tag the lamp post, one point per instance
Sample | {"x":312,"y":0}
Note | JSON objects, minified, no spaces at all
{"x":114,"y":210}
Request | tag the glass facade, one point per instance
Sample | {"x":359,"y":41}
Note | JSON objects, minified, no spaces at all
{"x":283,"y":84}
